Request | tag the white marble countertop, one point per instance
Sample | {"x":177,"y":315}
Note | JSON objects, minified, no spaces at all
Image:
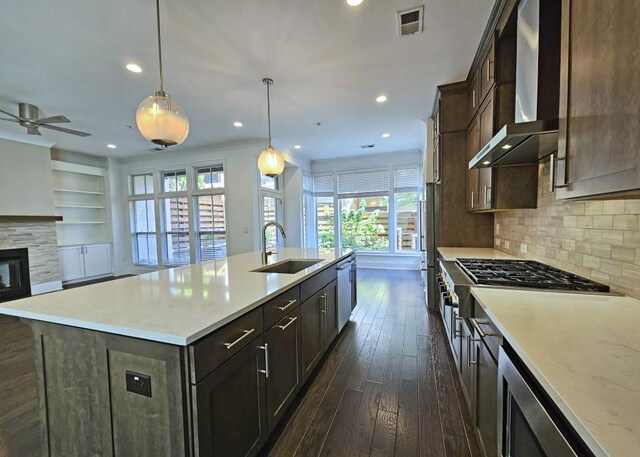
{"x":585,"y":352}
{"x":453,"y":253}
{"x":176,"y":305}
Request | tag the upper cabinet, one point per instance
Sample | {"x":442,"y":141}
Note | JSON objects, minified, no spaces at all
{"x":599,"y":145}
{"x":486,"y":74}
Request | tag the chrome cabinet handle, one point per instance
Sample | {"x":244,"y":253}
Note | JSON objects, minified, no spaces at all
{"x":485,"y":195}
{"x":246,"y":333}
{"x":291,"y":321}
{"x":489,"y":69}
{"x":289,"y":303}
{"x":477,"y":325}
{"x":470,"y":339}
{"x":456,"y":333}
{"x":324,"y":308}
{"x":472,"y":198}
{"x":553,"y":185}
{"x":265,"y":348}
{"x":473,"y":98}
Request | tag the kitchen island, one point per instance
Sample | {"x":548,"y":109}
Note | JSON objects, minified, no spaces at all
{"x":196,"y":360}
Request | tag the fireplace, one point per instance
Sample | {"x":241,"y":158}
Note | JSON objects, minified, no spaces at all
{"x":14,"y":274}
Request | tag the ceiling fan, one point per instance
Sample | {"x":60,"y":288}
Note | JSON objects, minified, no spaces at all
{"x":29,"y":117}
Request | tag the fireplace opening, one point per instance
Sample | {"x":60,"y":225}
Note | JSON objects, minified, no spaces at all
{"x":14,"y":274}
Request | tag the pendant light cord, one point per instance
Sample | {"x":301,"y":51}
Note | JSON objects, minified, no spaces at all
{"x":159,"y":47}
{"x":268,"y":83}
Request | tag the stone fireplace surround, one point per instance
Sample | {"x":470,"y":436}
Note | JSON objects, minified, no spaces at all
{"x":38,"y":235}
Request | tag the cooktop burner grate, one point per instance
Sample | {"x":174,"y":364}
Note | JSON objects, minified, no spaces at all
{"x":526,"y":273}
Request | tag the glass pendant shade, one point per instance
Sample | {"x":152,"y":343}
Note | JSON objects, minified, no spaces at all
{"x":162,"y":121}
{"x":270,"y":162}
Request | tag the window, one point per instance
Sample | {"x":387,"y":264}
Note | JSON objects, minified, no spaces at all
{"x":308,"y":219}
{"x":175,"y":236}
{"x":324,"y":210}
{"x":210,"y":178}
{"x":267,"y":182}
{"x":364,"y":210}
{"x":142,"y":184}
{"x":185,"y":197}
{"x":406,"y":181}
{"x":143,"y":228}
{"x":211,"y":232}
{"x":270,"y":210}
{"x":174,"y":181}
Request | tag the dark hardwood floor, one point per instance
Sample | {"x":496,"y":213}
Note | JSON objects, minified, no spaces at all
{"x":387,"y":387}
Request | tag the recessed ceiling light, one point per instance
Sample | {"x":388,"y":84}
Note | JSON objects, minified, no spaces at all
{"x":112,"y":146}
{"x":381,"y":99}
{"x":237,"y":124}
{"x":134,"y":68}
{"x":486,"y":162}
{"x":385,"y":135}
{"x":297,"y":146}
{"x":354,"y":2}
{"x":506,"y":146}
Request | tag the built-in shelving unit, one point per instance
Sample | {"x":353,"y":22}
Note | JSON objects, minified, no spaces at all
{"x":80,"y":198}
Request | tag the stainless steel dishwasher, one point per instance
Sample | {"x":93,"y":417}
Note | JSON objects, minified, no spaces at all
{"x":344,"y":292}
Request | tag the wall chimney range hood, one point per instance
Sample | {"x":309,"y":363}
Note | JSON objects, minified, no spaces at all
{"x":534,"y":135}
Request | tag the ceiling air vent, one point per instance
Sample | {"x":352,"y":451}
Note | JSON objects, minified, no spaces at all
{"x":411,"y":21}
{"x":367,"y":146}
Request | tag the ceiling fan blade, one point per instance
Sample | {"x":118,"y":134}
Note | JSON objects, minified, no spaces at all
{"x":12,"y":115}
{"x":52,"y":120}
{"x":63,"y":130}
{"x":33,"y":131}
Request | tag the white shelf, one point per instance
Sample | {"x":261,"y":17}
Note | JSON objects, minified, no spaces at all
{"x":81,"y":206}
{"x":79,"y":191}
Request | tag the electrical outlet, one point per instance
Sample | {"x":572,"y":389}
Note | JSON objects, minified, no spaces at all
{"x":524,"y":248}
{"x":507,"y":244}
{"x":138,"y":383}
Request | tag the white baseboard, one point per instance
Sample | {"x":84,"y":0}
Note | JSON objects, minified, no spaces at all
{"x":37,"y":289}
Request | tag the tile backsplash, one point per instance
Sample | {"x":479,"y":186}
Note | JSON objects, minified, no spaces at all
{"x":596,"y":239}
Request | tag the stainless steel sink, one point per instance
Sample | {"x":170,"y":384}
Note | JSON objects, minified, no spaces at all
{"x":289,"y":266}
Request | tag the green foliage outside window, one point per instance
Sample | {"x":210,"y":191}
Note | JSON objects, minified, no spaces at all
{"x":360,"y":229}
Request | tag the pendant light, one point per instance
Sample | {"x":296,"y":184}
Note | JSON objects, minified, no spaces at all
{"x":270,"y":161}
{"x":159,"y":119}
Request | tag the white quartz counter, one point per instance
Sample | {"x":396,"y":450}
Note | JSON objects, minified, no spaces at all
{"x":176,"y":305}
{"x":585,"y":352}
{"x":449,"y":253}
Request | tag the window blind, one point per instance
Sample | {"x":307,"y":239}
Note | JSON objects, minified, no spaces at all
{"x":323,"y":184}
{"x":363,"y":183}
{"x":407,"y":179}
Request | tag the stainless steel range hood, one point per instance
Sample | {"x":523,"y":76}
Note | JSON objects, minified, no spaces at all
{"x":534,"y":135}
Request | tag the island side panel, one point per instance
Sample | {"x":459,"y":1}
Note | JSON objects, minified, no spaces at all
{"x":19,"y":409}
{"x":74,"y":391}
{"x":86,"y":408}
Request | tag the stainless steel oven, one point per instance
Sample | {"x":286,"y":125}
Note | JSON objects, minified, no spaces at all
{"x":527,"y":424}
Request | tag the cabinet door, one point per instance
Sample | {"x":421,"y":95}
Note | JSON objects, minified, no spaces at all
{"x":71,"y":262}
{"x":474,"y":96}
{"x":487,"y":72}
{"x":330,"y":300}
{"x":466,"y":363}
{"x":473,"y":146}
{"x":312,"y":333}
{"x":97,"y":260}
{"x":486,"y":399}
{"x":599,"y":100}
{"x":285,"y":370}
{"x":230,"y":413}
{"x":485,"y":181}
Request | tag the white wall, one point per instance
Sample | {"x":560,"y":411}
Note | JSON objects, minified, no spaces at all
{"x":292,"y":196}
{"x":367,"y":161}
{"x":241,"y":189}
{"x":26,"y":182}
{"x":119,"y":220}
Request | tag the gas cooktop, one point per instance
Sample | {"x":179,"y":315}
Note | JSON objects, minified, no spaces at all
{"x":526,"y":273}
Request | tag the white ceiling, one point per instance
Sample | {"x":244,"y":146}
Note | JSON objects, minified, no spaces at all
{"x":329,"y":62}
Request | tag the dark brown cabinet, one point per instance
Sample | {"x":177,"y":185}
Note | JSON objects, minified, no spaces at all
{"x":319,"y":315}
{"x":466,"y":367}
{"x":599,"y":145}
{"x":486,"y":73}
{"x":473,"y":146}
{"x":230,"y":413}
{"x":486,"y":398}
{"x":283,"y":342}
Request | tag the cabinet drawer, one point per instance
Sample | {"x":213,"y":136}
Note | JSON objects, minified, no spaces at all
{"x":313,"y":285}
{"x":275,"y":309}
{"x":213,"y":350}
